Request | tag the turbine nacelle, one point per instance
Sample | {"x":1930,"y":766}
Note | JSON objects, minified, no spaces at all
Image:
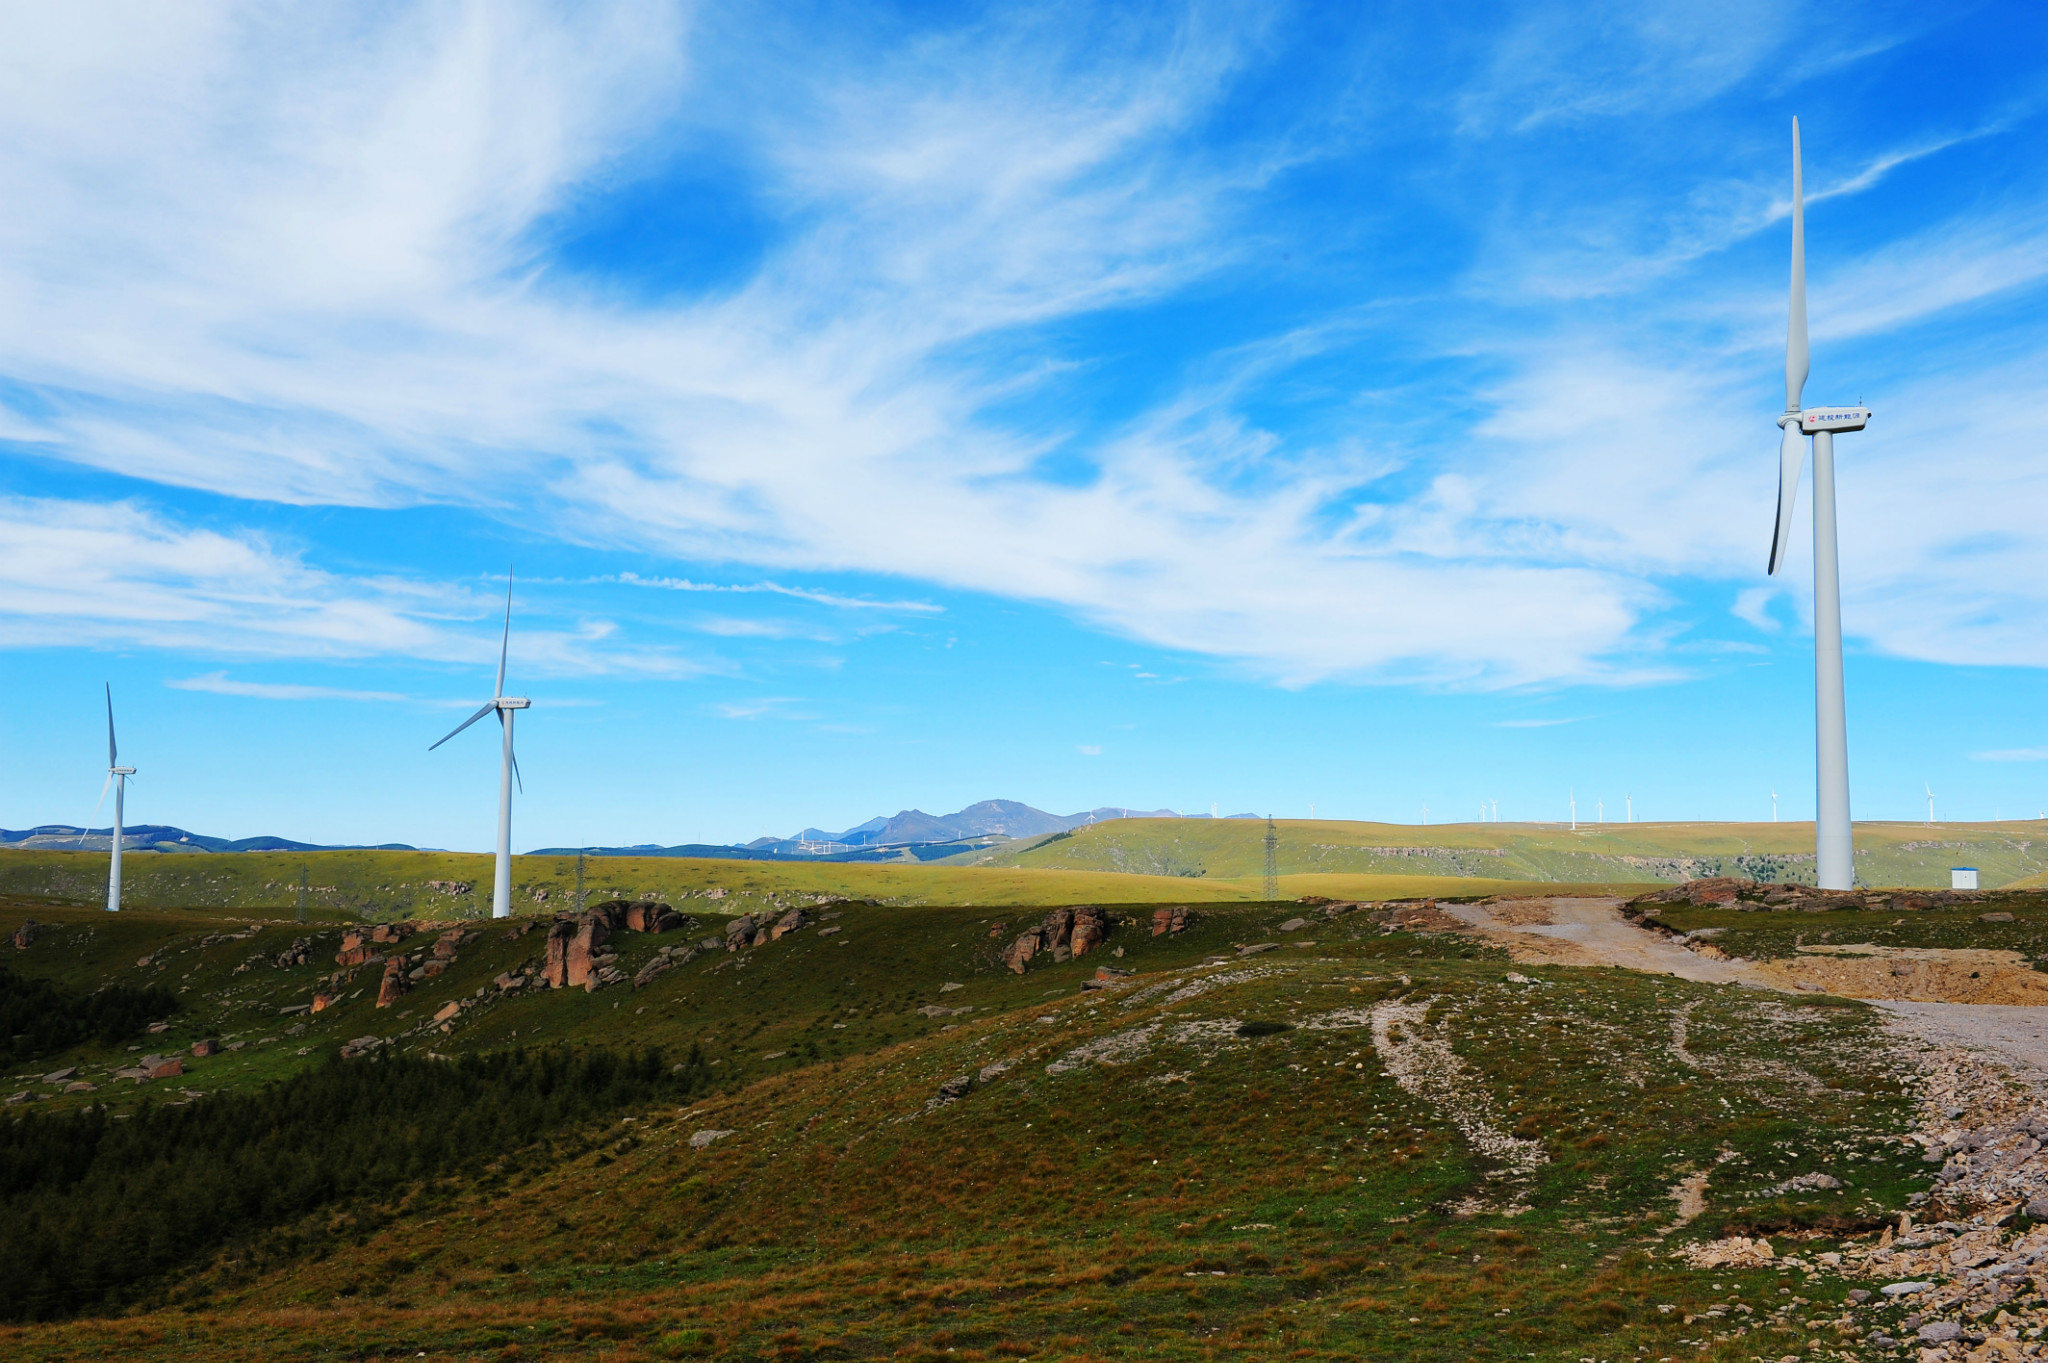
{"x":1814,"y":420}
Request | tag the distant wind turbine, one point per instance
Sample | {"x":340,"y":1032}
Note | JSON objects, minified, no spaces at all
{"x":1631,"y":808}
{"x":1930,"y":806}
{"x":1425,"y":816}
{"x":1573,"y":796}
{"x":1599,"y":811}
{"x":117,"y":777}
{"x":506,"y":706}
{"x":1834,"y":840}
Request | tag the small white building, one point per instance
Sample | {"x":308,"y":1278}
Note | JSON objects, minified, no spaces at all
{"x":1962,"y":877}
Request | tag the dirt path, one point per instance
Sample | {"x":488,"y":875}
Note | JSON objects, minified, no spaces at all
{"x":2013,"y":1036}
{"x":1590,"y":932}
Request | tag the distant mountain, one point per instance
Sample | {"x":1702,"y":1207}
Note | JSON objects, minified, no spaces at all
{"x":156,"y":837}
{"x":909,"y":835}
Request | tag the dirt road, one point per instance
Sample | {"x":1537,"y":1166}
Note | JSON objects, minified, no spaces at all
{"x":1589,"y":932}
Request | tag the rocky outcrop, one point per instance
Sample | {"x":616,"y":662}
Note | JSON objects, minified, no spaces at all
{"x":788,"y":923}
{"x":575,"y":952}
{"x":1175,"y":920}
{"x":385,"y":934}
{"x":355,"y":950}
{"x":740,"y":932}
{"x":643,"y":915}
{"x":1064,"y":934}
{"x":1733,"y":892}
{"x":395,"y":983}
{"x":667,"y":959}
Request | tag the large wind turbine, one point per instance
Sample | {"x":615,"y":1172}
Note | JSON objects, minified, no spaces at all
{"x":1833,"y":844}
{"x":501,"y":888}
{"x":117,"y":777}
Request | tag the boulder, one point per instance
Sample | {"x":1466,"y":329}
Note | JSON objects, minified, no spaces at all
{"x":792,"y":921}
{"x":644,"y":915}
{"x":555,"y":968}
{"x":355,"y":951}
{"x":26,"y":934}
{"x":1091,"y":926}
{"x":1994,"y":918}
{"x":80,"y":1086}
{"x":998,"y":929}
{"x":169,"y":1068}
{"x":395,"y":984}
{"x":1174,"y":919}
{"x":387,"y":933}
{"x":1294,"y":925}
{"x":323,"y":1002}
{"x":300,"y":952}
{"x":739,"y":932}
{"x":448,"y":1010}
{"x":579,"y":959}
{"x":202,"y":1049}
{"x":703,"y":1139}
{"x":958,"y":1087}
{"x":1022,"y":950}
{"x":362,"y":1045}
{"x":59,"y":1076}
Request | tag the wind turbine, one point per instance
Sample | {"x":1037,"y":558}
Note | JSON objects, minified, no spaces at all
{"x":506,"y":706}
{"x":1573,"y":796}
{"x":1834,"y":844}
{"x":1774,"y":806}
{"x":117,"y":777}
{"x":1930,"y":806}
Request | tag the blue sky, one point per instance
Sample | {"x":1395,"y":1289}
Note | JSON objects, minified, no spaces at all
{"x":1169,"y":406}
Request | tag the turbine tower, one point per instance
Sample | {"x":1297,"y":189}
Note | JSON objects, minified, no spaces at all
{"x":1834,"y":846}
{"x":117,"y":777}
{"x":1930,"y":806}
{"x":506,"y":706}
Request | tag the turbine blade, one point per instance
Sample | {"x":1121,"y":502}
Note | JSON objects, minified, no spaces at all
{"x":105,"y":786}
{"x":1796,"y":357}
{"x":1791,"y":454}
{"x":113,"y":754}
{"x":465,"y":724}
{"x":505,"y":645}
{"x":519,"y":780}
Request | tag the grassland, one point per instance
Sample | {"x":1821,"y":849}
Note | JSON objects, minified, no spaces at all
{"x":1887,"y":854}
{"x":1135,"y":1172}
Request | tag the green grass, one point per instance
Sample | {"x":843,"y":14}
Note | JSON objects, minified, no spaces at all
{"x":1594,"y":854}
{"x":1762,"y":936}
{"x":1201,"y":1194}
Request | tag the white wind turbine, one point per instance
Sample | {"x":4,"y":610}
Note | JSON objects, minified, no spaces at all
{"x":1833,"y":841}
{"x":501,"y":887}
{"x":117,"y":777}
{"x":1930,"y":806}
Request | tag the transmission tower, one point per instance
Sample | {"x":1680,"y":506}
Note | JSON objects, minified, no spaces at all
{"x":579,"y":882}
{"x":1272,"y":860}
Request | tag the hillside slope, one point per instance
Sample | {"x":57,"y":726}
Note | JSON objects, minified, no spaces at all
{"x":1360,"y":1143}
{"x":1886,"y":853}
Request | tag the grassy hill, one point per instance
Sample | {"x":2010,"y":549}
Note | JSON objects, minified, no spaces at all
{"x":1360,"y":1143}
{"x":1890,"y":854}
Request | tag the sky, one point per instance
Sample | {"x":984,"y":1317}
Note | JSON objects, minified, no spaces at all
{"x":1358,"y":411}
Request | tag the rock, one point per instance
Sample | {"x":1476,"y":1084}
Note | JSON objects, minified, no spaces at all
{"x":739,"y":932}
{"x":1938,"y":1331}
{"x":156,"y":1027}
{"x":948,"y":987}
{"x":354,"y":951}
{"x":1994,"y":918}
{"x":395,"y":984}
{"x":22,"y":1097}
{"x":165,"y":1069}
{"x":2037,"y":1210}
{"x":1091,"y":926}
{"x":448,"y":1010}
{"x":59,"y":1076}
{"x":1803,"y":1183}
{"x":1896,"y":1290}
{"x":1258,"y":947}
{"x":1175,"y":919}
{"x":1859,"y":1295}
{"x":998,"y":929}
{"x":827,"y":932}
{"x":792,"y":921}
{"x":715,"y":892}
{"x":1022,"y":950}
{"x":293,"y":1008}
{"x":26,"y":934}
{"x":1111,"y":972}
{"x":387,"y":933}
{"x":202,"y":1049}
{"x":703,"y":1139}
{"x":362,"y":1045}
{"x":934,"y":1010}
{"x":1294,"y":925}
{"x":959,"y":1086}
{"x":80,"y":1086}
{"x":653,"y":971}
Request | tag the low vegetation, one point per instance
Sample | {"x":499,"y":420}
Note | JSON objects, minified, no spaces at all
{"x":39,"y":1018}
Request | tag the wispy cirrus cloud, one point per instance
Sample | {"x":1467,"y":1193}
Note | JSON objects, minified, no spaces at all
{"x":220,"y":684}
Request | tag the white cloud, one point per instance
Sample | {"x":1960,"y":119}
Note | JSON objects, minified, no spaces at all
{"x":1088,"y":749}
{"x":220,"y":684}
{"x":2012,"y":755}
{"x":328,"y":278}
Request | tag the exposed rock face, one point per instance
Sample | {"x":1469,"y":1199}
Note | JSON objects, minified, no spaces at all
{"x":1091,"y":925}
{"x":1065,"y":933}
{"x":1735,"y":892}
{"x":1175,"y":919}
{"x":386,"y":933}
{"x":395,"y":983}
{"x":640,"y":915}
{"x":739,"y":932}
{"x":26,"y":934}
{"x":300,"y":952}
{"x":668,"y":959}
{"x":788,"y":923}
{"x":355,"y":951}
{"x":574,"y":948}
